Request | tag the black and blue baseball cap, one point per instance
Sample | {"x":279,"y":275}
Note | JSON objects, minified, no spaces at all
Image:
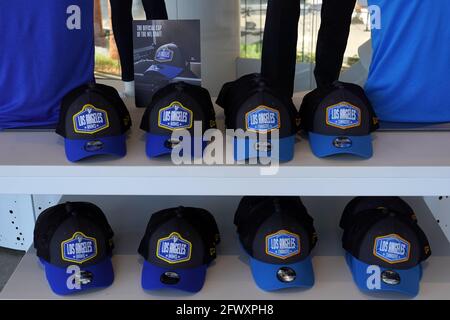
{"x":178,"y":246}
{"x":93,"y":121}
{"x":339,"y":119}
{"x":251,"y":105}
{"x":384,"y":251}
{"x":278,"y":235}
{"x":176,"y":107}
{"x":169,"y":61}
{"x":74,"y":243}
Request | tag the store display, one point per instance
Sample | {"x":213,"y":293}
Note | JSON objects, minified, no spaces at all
{"x":165,"y":51}
{"x":252,"y":105}
{"x":339,"y":119}
{"x":45,"y":54}
{"x":178,"y":246}
{"x":408,"y":77}
{"x":93,"y":121}
{"x":177,"y":106}
{"x":385,"y":249}
{"x":278,"y":235}
{"x":74,"y":244}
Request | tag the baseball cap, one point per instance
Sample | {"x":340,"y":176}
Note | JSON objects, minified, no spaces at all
{"x":178,"y":246}
{"x":384,"y":251}
{"x":250,"y":104}
{"x":363,"y":205}
{"x":278,"y":235}
{"x":169,"y":61}
{"x":74,"y":244}
{"x":93,"y":121}
{"x":176,"y":107}
{"x":339,"y":119}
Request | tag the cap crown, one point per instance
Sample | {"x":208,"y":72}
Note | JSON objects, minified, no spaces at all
{"x":177,"y":106}
{"x":180,"y":238}
{"x":363,"y":204}
{"x":386,"y":238}
{"x":170,"y":54}
{"x":92,"y":111}
{"x":338,"y":109}
{"x":250,"y":104}
{"x":276,"y":230}
{"x":73,"y":233}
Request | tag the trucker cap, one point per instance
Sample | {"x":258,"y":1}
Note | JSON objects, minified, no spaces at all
{"x":74,"y":244}
{"x":93,"y":121}
{"x":339,"y":119}
{"x":250,"y":104}
{"x":178,"y":246}
{"x":384,"y":251}
{"x":363,"y":205}
{"x":169,"y":61}
{"x":176,"y":107}
{"x":278,"y":235}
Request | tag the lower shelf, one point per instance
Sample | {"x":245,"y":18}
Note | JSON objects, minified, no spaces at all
{"x":228,"y":278}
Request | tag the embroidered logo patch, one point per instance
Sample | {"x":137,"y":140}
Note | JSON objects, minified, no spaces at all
{"x":175,"y":117}
{"x":343,"y":116}
{"x":90,"y":120}
{"x":174,"y":249}
{"x":282,"y":244}
{"x":392,"y":249}
{"x":79,"y":249}
{"x":164,"y":54}
{"x":262,"y":119}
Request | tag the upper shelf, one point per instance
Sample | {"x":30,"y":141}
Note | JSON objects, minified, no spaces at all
{"x":404,"y":163}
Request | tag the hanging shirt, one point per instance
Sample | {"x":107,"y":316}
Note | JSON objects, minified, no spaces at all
{"x":46,"y":50}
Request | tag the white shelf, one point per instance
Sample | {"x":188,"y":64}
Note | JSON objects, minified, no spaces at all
{"x":230,"y":277}
{"x":404,"y":163}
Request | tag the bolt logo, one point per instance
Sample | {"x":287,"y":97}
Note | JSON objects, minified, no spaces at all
{"x":79,"y":249}
{"x":164,"y":54}
{"x":174,"y":249}
{"x":392,"y":249}
{"x":90,"y":120}
{"x":175,"y":117}
{"x":283,"y":244}
{"x":262,"y":120}
{"x":343,"y":116}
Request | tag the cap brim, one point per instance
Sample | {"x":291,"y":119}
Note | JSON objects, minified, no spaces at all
{"x":265,"y":275}
{"x":76,"y":149}
{"x":60,"y":278}
{"x":168,"y":71}
{"x":244,"y":148}
{"x":323,"y":146}
{"x":156,"y":145}
{"x":367,"y":281}
{"x":191,"y":280}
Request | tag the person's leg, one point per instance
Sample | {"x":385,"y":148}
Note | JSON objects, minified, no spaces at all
{"x":155,"y":9}
{"x":279,"y":52}
{"x":332,"y":39}
{"x":122,"y":23}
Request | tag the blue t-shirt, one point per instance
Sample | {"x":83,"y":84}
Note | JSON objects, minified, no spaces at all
{"x":46,"y":50}
{"x":409,"y":78}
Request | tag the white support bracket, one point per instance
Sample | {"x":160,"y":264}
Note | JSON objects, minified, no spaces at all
{"x":18,"y":215}
{"x":440,"y":208}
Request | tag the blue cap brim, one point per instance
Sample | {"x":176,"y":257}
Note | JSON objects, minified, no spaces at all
{"x":323,"y":146}
{"x":59,"y":278}
{"x":168,"y":71}
{"x":369,"y":281}
{"x":76,"y":149}
{"x":244,"y":148}
{"x":155,"y":145}
{"x":191,"y":280}
{"x":265,"y":275}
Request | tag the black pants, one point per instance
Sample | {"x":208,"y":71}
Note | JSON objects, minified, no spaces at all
{"x":122,"y":23}
{"x":280,"y":42}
